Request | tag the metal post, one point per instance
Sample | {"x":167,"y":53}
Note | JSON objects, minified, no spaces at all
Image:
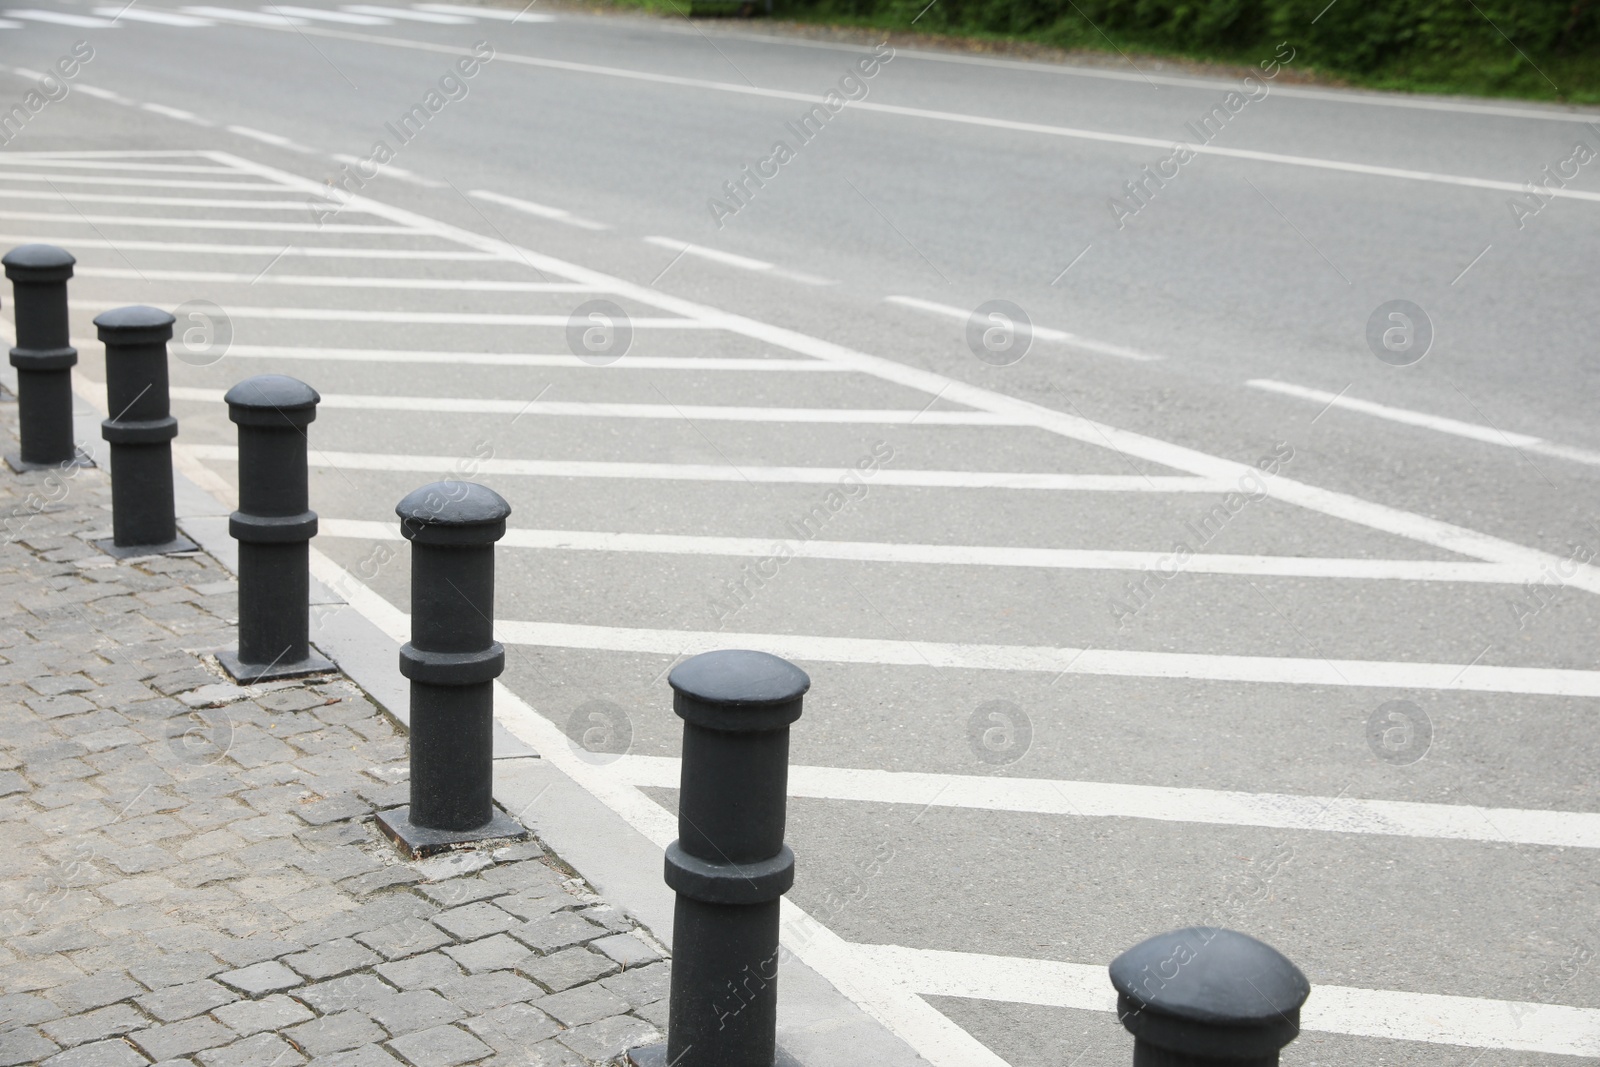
{"x":44,"y":357}
{"x":729,"y":865}
{"x":452,"y":660}
{"x":1206,"y":997}
{"x":274,"y":526}
{"x":140,"y":430}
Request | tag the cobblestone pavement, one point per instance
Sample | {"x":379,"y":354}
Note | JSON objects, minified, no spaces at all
{"x":193,"y":875}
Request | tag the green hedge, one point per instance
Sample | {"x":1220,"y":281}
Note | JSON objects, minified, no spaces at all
{"x":1448,"y":45}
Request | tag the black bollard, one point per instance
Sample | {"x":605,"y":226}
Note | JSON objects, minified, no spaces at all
{"x":1205,"y":997}
{"x":44,"y":357}
{"x":140,"y":430}
{"x":729,"y":865}
{"x":452,"y":660}
{"x":274,"y":526}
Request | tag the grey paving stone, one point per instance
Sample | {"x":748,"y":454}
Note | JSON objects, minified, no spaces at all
{"x":567,"y":968}
{"x":479,"y":993}
{"x":262,"y":1050}
{"x":627,"y":949}
{"x":185,"y":1001}
{"x":459,"y":891}
{"x":12,"y":782}
{"x":111,"y":1021}
{"x":640,"y":985}
{"x":95,"y":991}
{"x":655,"y":1014}
{"x":408,"y":937}
{"x":334,"y":809}
{"x":441,"y":1046}
{"x":584,"y":1004}
{"x":609,"y":1038}
{"x":340,"y":956}
{"x":21,"y":1009}
{"x":365,"y":1056}
{"x":547,"y":1054}
{"x":535,"y":904}
{"x":24,"y":1044}
{"x":335,"y":1033}
{"x":418,"y":1009}
{"x":259,"y":978}
{"x":558,"y":931}
{"x":513,"y":1027}
{"x":472,"y":921}
{"x":277,"y":1012}
{"x":497,"y":953}
{"x":429,"y":971}
{"x":383,"y":878}
{"x":336,"y":863}
{"x":113,"y":1053}
{"x":245,"y":952}
{"x":181,"y":1039}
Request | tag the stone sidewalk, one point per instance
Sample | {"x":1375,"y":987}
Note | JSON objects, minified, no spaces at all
{"x":192,"y":872}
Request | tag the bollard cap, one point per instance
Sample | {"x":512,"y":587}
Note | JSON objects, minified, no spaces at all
{"x":38,"y":263}
{"x":738,"y":690}
{"x":453,"y":513}
{"x":272,"y":400}
{"x":135,"y":325}
{"x":1208,"y":992}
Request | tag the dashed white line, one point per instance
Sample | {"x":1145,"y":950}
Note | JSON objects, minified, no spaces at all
{"x":205,"y":224}
{"x":160,"y":18}
{"x":177,"y":113}
{"x":486,"y":12}
{"x":235,"y":14}
{"x":339,"y":281}
{"x":392,"y":171}
{"x":729,"y":259}
{"x":266,"y":138}
{"x":324,"y":15}
{"x":408,"y":16}
{"x":1455,"y":427}
{"x":269,"y":251}
{"x":541,"y":211}
{"x":1044,"y":333}
{"x":61,"y":18}
{"x":565,"y":360}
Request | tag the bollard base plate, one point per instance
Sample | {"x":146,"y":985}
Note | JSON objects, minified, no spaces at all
{"x":656,"y":1056}
{"x":178,"y":544}
{"x":15,"y":461}
{"x":420,"y":842}
{"x":243,"y":672}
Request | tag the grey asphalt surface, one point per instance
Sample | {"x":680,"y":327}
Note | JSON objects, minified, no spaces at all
{"x":1237,"y":269}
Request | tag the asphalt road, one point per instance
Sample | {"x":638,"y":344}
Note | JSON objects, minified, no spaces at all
{"x":1340,"y":719}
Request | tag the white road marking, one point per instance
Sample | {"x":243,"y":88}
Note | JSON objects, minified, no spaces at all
{"x":105,"y":94}
{"x":61,"y":18}
{"x":1164,"y":144}
{"x":324,"y":15}
{"x":417,"y":318}
{"x":564,"y":360}
{"x":1117,"y":663}
{"x":1473,"y":431}
{"x":485,"y":12}
{"x":205,"y":224}
{"x":231,"y":203}
{"x":407,"y":16}
{"x":1212,"y":807}
{"x":722,"y":472}
{"x":977,"y":555}
{"x":729,"y":259}
{"x":7,"y":24}
{"x":267,"y":138}
{"x":1390,"y":1014}
{"x":19,"y":161}
{"x":528,"y":207}
{"x":1374,"y":516}
{"x":392,"y":171}
{"x":240,"y":15}
{"x":159,"y":18}
{"x":340,"y":281}
{"x":1044,"y":333}
{"x":612,"y":410}
{"x":153,"y":183}
{"x":269,"y":251}
{"x":176,"y":113}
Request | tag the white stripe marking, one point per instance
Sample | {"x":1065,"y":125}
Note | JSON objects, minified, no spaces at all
{"x":7,"y":24}
{"x":977,"y":555}
{"x":728,"y":258}
{"x":1390,"y":1014}
{"x":266,"y":138}
{"x":320,"y":281}
{"x":159,"y":18}
{"x":707,"y":472}
{"x":392,"y":171}
{"x":231,"y":203}
{"x":563,"y":360}
{"x":528,"y":207}
{"x":154,"y":183}
{"x":603,"y":409}
{"x":239,"y":15}
{"x":323,"y":15}
{"x":182,"y":116}
{"x":269,"y":251}
{"x":1211,"y":807}
{"x":1471,"y":430}
{"x":1044,"y":333}
{"x":408,"y":16}
{"x":1276,"y":670}
{"x":205,"y":224}
{"x":61,"y":18}
{"x":441,"y":318}
{"x":485,"y":12}
{"x":19,"y":161}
